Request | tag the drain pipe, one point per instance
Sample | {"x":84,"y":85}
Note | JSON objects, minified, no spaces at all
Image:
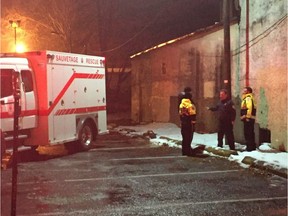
{"x":227,"y":48}
{"x":247,"y":44}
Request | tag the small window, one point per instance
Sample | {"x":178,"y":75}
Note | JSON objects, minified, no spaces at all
{"x":27,"y":80}
{"x":6,"y":82}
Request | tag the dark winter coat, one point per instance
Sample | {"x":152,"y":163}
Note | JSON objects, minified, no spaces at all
{"x":226,"y":110}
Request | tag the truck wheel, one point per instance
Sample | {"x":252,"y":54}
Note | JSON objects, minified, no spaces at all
{"x":86,"y":136}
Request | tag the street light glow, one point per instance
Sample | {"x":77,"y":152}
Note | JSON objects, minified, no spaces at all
{"x":15,"y":25}
{"x":20,"y":48}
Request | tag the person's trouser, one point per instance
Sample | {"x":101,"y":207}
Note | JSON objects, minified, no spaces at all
{"x":226,"y":128}
{"x":187,"y":131}
{"x":249,"y":134}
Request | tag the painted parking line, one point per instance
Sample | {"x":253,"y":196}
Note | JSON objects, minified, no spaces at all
{"x":161,"y":206}
{"x":122,"y":148}
{"x":151,"y":175}
{"x":218,"y":202}
{"x":148,"y":158}
{"x":128,"y":177}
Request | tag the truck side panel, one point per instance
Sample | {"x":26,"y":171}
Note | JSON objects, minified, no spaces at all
{"x":74,"y":89}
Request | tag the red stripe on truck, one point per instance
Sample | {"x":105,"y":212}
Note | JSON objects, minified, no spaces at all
{"x":74,"y":76}
{"x":79,"y":110}
{"x":57,"y":99}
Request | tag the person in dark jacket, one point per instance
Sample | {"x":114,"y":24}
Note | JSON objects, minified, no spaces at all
{"x":226,"y":117}
{"x":187,"y":113}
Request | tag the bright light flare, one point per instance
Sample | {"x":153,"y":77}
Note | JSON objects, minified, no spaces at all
{"x":20,"y":48}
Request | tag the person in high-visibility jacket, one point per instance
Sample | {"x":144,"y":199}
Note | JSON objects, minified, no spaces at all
{"x":248,"y":113}
{"x":187,"y":113}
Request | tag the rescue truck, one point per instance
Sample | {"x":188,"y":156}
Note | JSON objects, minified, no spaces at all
{"x":62,"y":98}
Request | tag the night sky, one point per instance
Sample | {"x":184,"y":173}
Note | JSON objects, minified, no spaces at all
{"x":156,"y":21}
{"x":124,"y":27}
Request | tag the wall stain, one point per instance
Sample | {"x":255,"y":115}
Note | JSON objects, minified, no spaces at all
{"x":262,"y":109}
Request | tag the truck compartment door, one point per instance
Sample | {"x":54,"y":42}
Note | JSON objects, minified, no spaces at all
{"x":62,"y":125}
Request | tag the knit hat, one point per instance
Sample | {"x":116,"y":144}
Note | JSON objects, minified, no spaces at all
{"x":249,"y":89}
{"x":187,"y":89}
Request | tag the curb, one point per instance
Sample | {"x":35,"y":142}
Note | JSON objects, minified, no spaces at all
{"x":265,"y":167}
{"x":221,"y":152}
{"x":252,"y":162}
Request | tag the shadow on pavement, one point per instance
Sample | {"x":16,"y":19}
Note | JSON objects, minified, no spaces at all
{"x":42,"y":153}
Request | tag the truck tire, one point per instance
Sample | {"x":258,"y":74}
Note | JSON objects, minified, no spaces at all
{"x":86,"y":136}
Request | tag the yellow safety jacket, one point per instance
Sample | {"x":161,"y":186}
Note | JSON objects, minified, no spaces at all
{"x":248,"y":107}
{"x":187,"y":110}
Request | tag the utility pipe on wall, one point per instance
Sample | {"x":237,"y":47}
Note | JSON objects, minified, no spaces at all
{"x":247,"y":44}
{"x":227,"y":48}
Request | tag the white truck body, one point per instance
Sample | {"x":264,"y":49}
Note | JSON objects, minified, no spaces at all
{"x":67,"y":93}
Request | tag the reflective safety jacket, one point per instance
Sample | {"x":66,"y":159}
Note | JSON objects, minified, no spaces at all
{"x":187,"y":110}
{"x":248,"y":107}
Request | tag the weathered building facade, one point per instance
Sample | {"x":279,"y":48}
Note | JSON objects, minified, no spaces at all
{"x":264,"y":66}
{"x":258,"y":58}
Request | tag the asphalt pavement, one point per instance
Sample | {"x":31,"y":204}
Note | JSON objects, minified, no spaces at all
{"x":252,"y":162}
{"x":131,"y":176}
